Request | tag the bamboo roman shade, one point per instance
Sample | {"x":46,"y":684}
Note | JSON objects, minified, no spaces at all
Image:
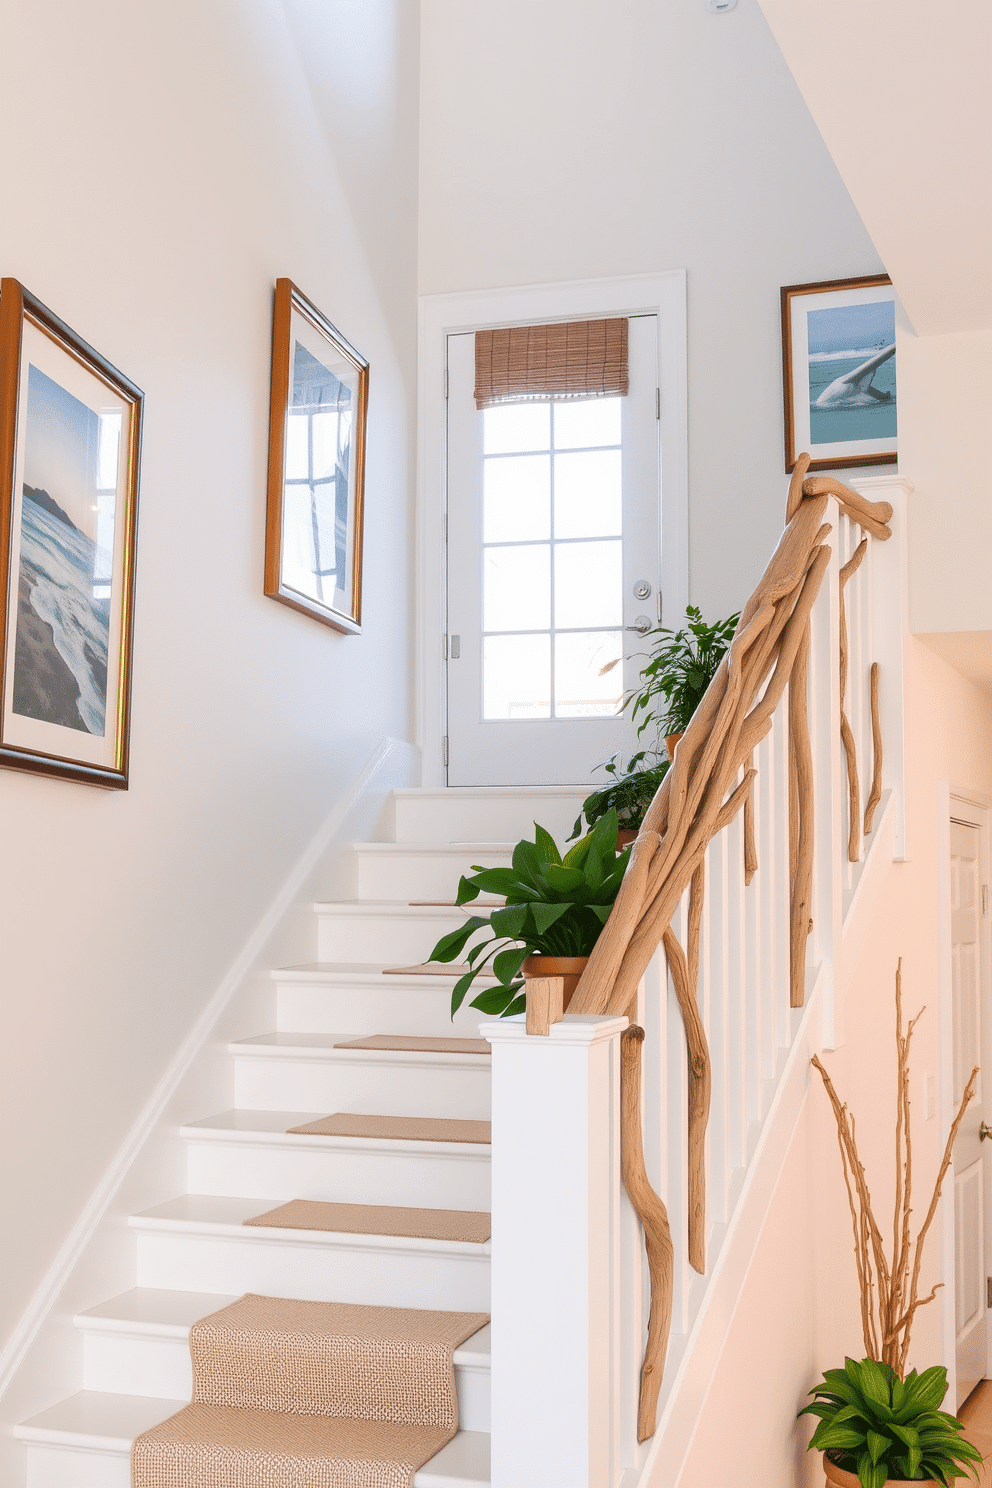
{"x":568,"y":359}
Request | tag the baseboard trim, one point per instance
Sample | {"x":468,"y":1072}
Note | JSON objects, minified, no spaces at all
{"x":385,"y":759}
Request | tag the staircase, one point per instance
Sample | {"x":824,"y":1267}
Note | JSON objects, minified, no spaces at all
{"x":194,"y":1254}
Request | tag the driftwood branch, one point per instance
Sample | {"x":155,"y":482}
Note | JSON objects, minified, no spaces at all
{"x":875,"y":794}
{"x":750,"y":848}
{"x":700,"y":1078}
{"x":657,"y":1235}
{"x":800,"y":825}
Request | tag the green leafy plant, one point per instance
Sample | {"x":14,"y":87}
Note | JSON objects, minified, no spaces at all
{"x":881,"y":1427}
{"x":683,"y":665}
{"x":555,"y":906}
{"x":629,"y":793}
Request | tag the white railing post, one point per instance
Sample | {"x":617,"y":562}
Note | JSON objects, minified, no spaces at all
{"x":555,"y":1241}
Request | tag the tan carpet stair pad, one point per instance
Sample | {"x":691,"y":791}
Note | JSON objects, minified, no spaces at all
{"x":471,"y":1226}
{"x":322,"y":1394}
{"x":395,"y":1128}
{"x":401,"y":1044}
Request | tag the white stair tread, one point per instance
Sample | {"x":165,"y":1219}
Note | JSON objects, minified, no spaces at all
{"x":327,"y":1047}
{"x":390,"y":908}
{"x":416,"y":849}
{"x":273,"y":1127}
{"x":152,"y":1310}
{"x":366,"y":973}
{"x":216,"y":1214}
{"x":96,"y":1420}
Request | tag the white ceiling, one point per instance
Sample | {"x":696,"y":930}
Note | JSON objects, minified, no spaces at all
{"x":900,"y":91}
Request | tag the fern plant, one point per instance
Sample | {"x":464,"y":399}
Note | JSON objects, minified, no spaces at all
{"x":629,"y":793}
{"x":884,"y":1428}
{"x":678,"y":674}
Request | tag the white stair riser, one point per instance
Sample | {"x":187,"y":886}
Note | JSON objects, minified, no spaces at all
{"x":132,"y":1364}
{"x":401,"y":873}
{"x":67,"y":1467}
{"x":349,"y":1012}
{"x":358,"y":1175}
{"x":388,"y":1088}
{"x":507,"y":816}
{"x":318,"y":1273}
{"x":403,"y":938}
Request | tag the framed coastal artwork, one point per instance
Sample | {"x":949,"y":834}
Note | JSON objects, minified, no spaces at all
{"x":70,"y":433}
{"x":839,"y":372}
{"x":313,"y":532}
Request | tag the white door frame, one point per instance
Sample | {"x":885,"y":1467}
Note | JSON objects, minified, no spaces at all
{"x":662,"y":294}
{"x":970,"y":807}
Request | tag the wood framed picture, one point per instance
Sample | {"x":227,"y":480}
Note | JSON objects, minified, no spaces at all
{"x":313,"y":532}
{"x":70,"y":438}
{"x":839,"y":372}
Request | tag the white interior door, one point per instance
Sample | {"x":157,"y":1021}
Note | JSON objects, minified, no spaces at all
{"x":970,"y":1185}
{"x":553,"y":565}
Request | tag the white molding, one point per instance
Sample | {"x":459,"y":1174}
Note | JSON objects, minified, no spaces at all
{"x":58,"y":1274}
{"x":662,"y":294}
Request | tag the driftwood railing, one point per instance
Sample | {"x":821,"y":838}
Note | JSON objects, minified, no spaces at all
{"x":711,"y":780}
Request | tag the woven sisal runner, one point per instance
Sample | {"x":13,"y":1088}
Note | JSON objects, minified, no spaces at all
{"x":321,"y":1394}
{"x":472,"y":1225}
{"x":395,"y":1128}
{"x":400,"y":1043}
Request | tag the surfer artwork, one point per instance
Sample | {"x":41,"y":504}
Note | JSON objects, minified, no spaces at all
{"x":839,"y":341}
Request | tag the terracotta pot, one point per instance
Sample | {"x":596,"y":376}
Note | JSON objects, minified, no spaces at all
{"x":670,"y":742}
{"x":626,"y":836}
{"x":569,"y":968}
{"x":838,"y":1478}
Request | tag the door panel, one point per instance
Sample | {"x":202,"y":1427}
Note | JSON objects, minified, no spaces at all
{"x":553,"y":521}
{"x":970,"y":1323}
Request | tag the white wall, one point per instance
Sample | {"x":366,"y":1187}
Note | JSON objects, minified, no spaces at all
{"x":170,"y":162}
{"x":561,"y":140}
{"x":798,"y":1310}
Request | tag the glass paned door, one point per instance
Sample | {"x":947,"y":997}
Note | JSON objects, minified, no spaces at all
{"x":553,"y":539}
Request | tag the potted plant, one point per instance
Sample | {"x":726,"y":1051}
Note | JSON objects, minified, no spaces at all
{"x":677,"y":676}
{"x":878,"y":1424}
{"x":672,"y":686}
{"x":555,"y":908}
{"x":876,"y":1428}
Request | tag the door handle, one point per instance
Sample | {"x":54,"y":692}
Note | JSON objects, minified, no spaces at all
{"x":984,"y":1131}
{"x":642,"y":625}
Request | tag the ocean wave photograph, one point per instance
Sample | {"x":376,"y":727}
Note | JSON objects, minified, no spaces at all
{"x":852,"y":373}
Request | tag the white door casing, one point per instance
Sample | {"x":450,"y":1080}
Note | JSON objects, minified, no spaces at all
{"x":661,"y":294}
{"x":969,"y":1043}
{"x":584,"y":555}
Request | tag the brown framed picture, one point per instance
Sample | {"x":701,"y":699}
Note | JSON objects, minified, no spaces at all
{"x":839,"y":372}
{"x":316,"y":496}
{"x":70,"y":441}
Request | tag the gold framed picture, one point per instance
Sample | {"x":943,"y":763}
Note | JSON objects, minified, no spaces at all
{"x":70,"y":441}
{"x":839,"y":372}
{"x":316,"y":488}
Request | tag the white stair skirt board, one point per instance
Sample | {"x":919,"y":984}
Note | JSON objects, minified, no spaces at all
{"x":391,"y":870}
{"x":356,"y":1001}
{"x":252,"y":1152}
{"x":138,"y":1344}
{"x":397,"y":934}
{"x":85,"y":1442}
{"x":274,"y":1069}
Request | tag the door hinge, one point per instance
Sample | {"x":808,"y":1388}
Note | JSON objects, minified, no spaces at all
{"x":444,"y":649}
{"x":445,"y":382}
{"x":657,"y":403}
{"x":444,"y":751}
{"x":659,"y":606}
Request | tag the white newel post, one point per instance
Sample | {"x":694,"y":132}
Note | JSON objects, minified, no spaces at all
{"x":555,"y":1236}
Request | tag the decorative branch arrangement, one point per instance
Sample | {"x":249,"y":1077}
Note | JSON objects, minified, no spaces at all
{"x":710,"y":780}
{"x":890,"y":1287}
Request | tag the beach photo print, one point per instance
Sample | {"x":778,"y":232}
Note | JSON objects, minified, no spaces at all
{"x":839,"y":372}
{"x":69,"y":441}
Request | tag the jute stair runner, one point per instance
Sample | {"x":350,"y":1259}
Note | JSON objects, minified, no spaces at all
{"x":400,"y":1043}
{"x":471,"y":1225}
{"x":395,"y":1128}
{"x":290,"y":1394}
